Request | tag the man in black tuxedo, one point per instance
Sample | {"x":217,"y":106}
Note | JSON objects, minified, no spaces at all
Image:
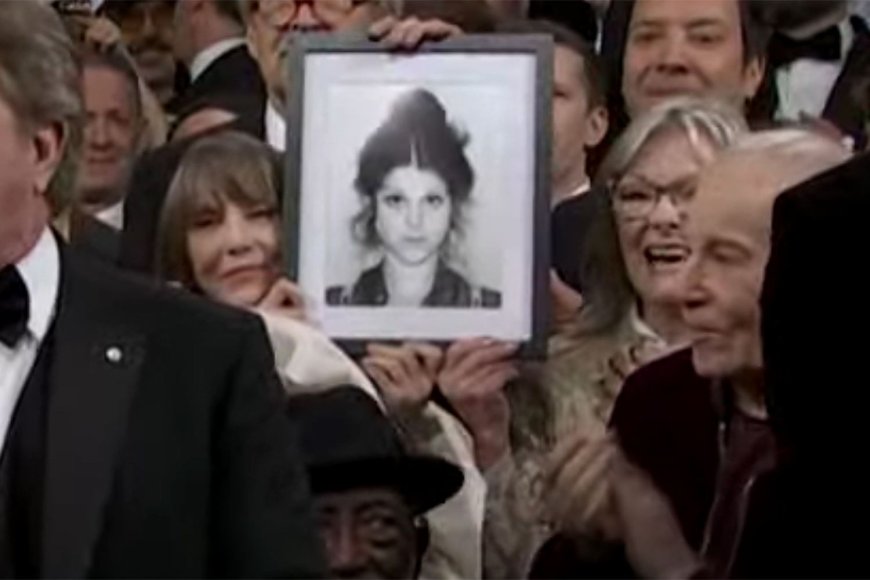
{"x":819,"y":58}
{"x":210,"y":41}
{"x":810,"y":516}
{"x":142,"y":431}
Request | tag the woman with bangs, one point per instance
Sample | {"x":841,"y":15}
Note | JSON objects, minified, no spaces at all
{"x":220,"y":236}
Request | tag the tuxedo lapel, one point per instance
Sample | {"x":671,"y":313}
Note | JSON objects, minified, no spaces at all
{"x":843,"y":108}
{"x":94,"y":373}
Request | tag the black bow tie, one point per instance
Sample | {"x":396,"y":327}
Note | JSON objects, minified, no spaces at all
{"x":14,"y":306}
{"x":823,"y":46}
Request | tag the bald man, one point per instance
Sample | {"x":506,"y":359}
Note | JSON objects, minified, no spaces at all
{"x":693,"y":426}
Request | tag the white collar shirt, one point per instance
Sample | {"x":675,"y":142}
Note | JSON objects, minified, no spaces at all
{"x":40,"y":271}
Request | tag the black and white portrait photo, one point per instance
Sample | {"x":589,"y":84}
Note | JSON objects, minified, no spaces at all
{"x":413,"y":188}
{"x":415,"y":182}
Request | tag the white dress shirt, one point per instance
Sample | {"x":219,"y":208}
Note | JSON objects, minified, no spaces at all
{"x":276,"y":128}
{"x":112,"y":216}
{"x":206,"y":57}
{"x":40,"y":270}
{"x":805,"y":85}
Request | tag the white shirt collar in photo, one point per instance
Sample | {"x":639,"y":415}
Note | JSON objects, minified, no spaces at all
{"x":276,"y":128}
{"x":206,"y":57}
{"x":40,"y":270}
{"x":112,"y":216}
{"x":805,"y":85}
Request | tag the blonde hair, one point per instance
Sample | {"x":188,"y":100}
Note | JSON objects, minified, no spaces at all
{"x":227,"y":167}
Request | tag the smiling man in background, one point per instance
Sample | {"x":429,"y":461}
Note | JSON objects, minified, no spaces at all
{"x":114,"y":125}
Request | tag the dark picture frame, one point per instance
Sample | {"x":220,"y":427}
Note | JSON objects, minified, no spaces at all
{"x":523,"y":315}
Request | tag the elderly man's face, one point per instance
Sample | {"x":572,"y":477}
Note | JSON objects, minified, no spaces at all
{"x":368,"y":533}
{"x":728,"y":230}
{"x":27,"y":163}
{"x":686,"y":47}
{"x":272,"y":21}
{"x":110,"y":136}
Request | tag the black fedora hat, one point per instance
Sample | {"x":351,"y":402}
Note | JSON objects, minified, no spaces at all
{"x":347,"y":442}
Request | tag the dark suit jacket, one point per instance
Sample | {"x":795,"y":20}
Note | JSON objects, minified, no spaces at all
{"x":91,"y":236}
{"x":815,"y":312}
{"x":167,"y":453}
{"x":234,"y":74}
{"x":570,"y":224}
{"x":149,"y":185}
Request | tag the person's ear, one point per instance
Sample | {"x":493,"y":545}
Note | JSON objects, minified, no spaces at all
{"x":753,"y":74}
{"x":597,"y":123}
{"x":48,"y":145}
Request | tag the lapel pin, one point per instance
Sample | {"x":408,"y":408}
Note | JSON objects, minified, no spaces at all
{"x":114,"y":354}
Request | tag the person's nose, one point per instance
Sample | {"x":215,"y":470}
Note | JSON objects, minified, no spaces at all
{"x":148,"y":28}
{"x":347,"y":555}
{"x":692,"y":284}
{"x":414,"y":216}
{"x":237,"y":238}
{"x":98,"y":133}
{"x":672,"y":54}
{"x":665,"y":215}
{"x":305,"y":19}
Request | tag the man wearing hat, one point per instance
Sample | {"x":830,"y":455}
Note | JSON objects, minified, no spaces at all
{"x":370,"y":494}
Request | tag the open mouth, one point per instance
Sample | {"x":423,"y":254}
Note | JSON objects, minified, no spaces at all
{"x":666,"y":254}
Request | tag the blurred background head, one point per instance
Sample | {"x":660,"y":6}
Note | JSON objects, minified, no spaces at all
{"x":149,"y":34}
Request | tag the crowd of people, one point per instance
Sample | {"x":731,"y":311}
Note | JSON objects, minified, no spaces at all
{"x":168,"y":407}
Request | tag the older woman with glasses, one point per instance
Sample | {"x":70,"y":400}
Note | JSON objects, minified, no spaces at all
{"x":556,"y":477}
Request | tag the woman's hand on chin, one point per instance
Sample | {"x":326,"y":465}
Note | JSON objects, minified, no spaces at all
{"x":472,"y":379}
{"x":284,"y":299}
{"x":405,"y":375}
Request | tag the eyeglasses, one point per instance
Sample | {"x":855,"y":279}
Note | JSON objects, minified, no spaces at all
{"x":638,"y":200}
{"x":278,"y":13}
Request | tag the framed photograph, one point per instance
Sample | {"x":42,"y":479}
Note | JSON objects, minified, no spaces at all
{"x":417,"y":191}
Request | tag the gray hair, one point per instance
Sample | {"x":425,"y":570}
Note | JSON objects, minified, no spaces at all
{"x":608,"y":293}
{"x":40,"y":81}
{"x":805,"y":152}
{"x":715,"y":121}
